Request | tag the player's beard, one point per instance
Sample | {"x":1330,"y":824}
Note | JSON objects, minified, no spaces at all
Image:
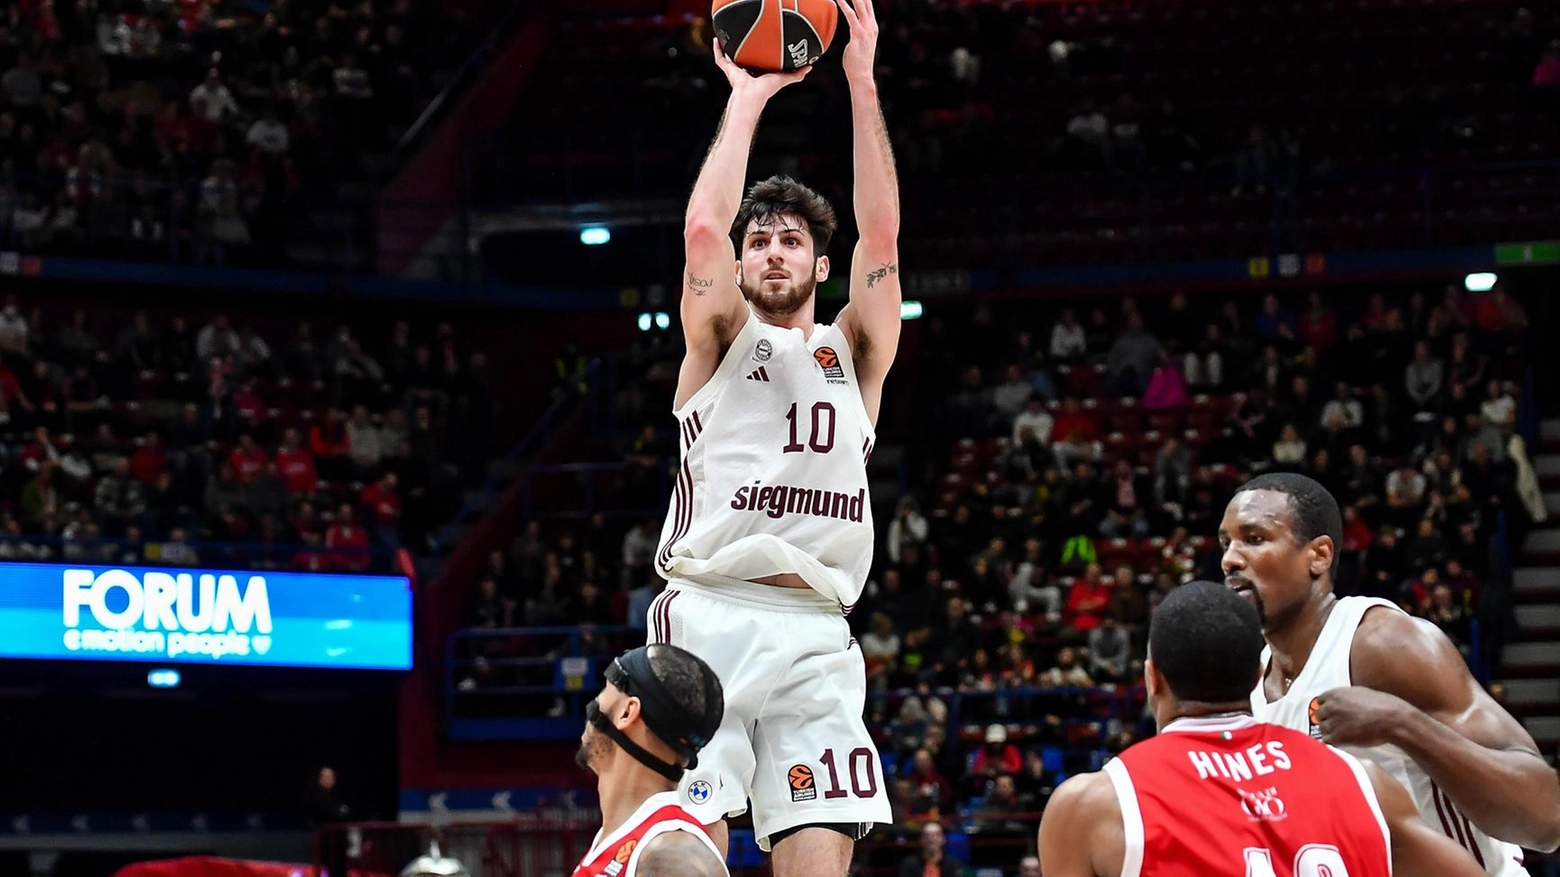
{"x":781,"y":302}
{"x":593,"y":748}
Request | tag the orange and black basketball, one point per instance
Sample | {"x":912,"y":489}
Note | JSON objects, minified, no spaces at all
{"x":801,"y":777}
{"x":774,"y":35}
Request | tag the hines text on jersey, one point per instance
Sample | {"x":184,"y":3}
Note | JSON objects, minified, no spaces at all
{"x":782,"y":499}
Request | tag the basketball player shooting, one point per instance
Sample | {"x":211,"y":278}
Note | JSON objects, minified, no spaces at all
{"x":1360,"y":673}
{"x":769,"y":536}
{"x":1218,"y":792}
{"x":659,"y":707}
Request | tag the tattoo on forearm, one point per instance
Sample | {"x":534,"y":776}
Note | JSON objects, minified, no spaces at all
{"x":700,"y":285}
{"x":876,"y":276}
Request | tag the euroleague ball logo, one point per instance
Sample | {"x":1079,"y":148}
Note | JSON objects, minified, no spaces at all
{"x":800,"y":778}
{"x":829,"y":361}
{"x":1263,"y":806}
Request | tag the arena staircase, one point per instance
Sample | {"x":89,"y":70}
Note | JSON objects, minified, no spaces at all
{"x":1530,"y":664}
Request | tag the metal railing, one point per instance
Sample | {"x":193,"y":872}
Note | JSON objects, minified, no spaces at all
{"x":505,"y":468}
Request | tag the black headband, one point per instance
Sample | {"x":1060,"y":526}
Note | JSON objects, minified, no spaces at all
{"x":667,"y":720}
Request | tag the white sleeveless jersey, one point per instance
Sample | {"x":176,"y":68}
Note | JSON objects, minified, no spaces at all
{"x":774,"y":466}
{"x":1328,"y":668}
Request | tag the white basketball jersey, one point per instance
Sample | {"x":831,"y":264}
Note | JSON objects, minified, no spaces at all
{"x":774,"y":466}
{"x":1328,"y":668}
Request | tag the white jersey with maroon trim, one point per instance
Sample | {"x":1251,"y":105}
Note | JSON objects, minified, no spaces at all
{"x":774,"y":467}
{"x":1328,"y":668}
{"x":617,"y":854}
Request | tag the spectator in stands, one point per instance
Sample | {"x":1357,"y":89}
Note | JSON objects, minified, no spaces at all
{"x":997,"y":757}
{"x":908,"y":526}
{"x":880,"y":649}
{"x":382,"y":499}
{"x":347,"y":543}
{"x":1067,"y":673}
{"x":1423,"y":377}
{"x":1068,"y":341}
{"x":1172,"y":475}
{"x":1110,"y":651}
{"x":1010,"y":396}
{"x":177,"y":551}
{"x":363,"y":442}
{"x":1132,"y":358}
{"x":1166,"y":387}
{"x":1126,"y":497}
{"x":1289,"y":450}
{"x":995,"y":813}
{"x":329,"y":443}
{"x":119,"y":499}
{"x":1405,"y":494}
{"x":930,"y":861}
{"x":216,"y":339}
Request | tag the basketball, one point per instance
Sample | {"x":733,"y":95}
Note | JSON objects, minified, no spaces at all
{"x":774,"y":36}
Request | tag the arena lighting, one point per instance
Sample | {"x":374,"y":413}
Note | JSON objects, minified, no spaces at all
{"x":910,"y":310}
{"x":163,"y":678}
{"x":595,"y":235}
{"x":1483,"y":281}
{"x":657,"y":319}
{"x":662,"y":320}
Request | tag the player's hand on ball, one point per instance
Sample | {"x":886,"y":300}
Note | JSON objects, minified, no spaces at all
{"x":1355,"y":716}
{"x":763,"y":86}
{"x":861,"y":52}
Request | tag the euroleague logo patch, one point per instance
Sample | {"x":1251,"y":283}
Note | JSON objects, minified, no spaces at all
{"x":829,"y":361}
{"x":620,"y":859}
{"x":764,"y":350}
{"x":699,"y":792}
{"x":803,"y":787}
{"x":1311,"y":711}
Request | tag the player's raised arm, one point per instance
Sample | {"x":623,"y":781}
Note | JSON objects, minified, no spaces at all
{"x":712,"y":308}
{"x":1416,"y":847}
{"x":1413,"y":690}
{"x":871,"y":320}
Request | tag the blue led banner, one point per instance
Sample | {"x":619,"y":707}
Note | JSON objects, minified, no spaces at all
{"x":203,"y":616}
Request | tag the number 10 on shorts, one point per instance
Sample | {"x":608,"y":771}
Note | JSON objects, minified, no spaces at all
{"x":861,"y":765}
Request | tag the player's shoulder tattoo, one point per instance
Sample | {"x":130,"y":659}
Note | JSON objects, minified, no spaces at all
{"x":679,"y":854}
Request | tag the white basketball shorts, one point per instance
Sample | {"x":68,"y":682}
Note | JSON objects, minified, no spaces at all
{"x":792,"y":741}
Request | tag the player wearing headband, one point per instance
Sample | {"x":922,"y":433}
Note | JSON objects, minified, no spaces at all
{"x":660,"y":705}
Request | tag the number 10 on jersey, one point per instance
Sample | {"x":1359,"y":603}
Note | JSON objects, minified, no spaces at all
{"x":821,"y":440}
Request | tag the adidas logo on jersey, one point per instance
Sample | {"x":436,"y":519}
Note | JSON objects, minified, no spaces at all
{"x":760,"y":375}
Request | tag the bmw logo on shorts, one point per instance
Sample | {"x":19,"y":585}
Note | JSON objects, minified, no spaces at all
{"x":699,"y":792}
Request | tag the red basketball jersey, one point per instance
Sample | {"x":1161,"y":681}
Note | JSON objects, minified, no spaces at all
{"x":1234,"y":796}
{"x":617,"y":854}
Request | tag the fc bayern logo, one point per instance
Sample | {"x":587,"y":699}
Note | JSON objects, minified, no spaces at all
{"x":699,"y":792}
{"x":764,"y":351}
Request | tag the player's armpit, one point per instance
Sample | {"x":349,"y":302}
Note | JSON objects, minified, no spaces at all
{"x":678,"y":854}
{"x":1480,"y":756}
{"x":1416,"y":847}
{"x":1081,"y":834}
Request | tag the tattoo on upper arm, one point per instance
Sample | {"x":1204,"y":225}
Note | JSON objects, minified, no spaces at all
{"x":877,"y":276}
{"x":699,"y":285}
{"x":678,"y":854}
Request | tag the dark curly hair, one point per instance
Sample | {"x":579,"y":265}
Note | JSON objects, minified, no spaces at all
{"x":777,"y":195}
